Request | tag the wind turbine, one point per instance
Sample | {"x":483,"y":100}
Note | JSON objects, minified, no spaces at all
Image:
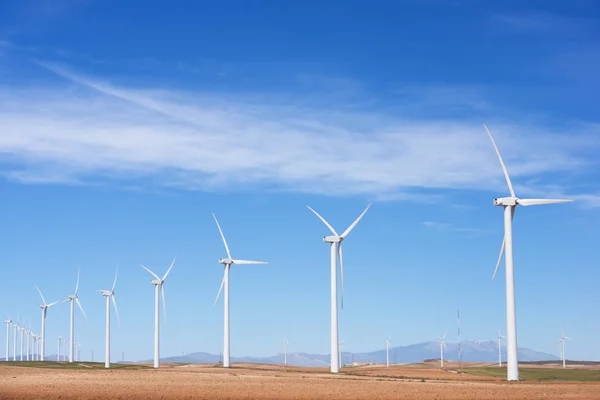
{"x":500,"y":337}
{"x":109,"y":294}
{"x":227,"y":262}
{"x":387,"y":352}
{"x":22,"y":334}
{"x":44,"y":308}
{"x":510,"y":204}
{"x":442,"y":347}
{"x":28,"y":338}
{"x":562,"y":348}
{"x":16,"y":332}
{"x":59,"y":347}
{"x":8,"y":323}
{"x":159,"y":290}
{"x":74,"y":298}
{"x":335,"y":364}
{"x":285,"y":343}
{"x":341,"y":352}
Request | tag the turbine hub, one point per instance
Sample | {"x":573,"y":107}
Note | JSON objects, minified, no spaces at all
{"x":156,"y":282}
{"x":506,"y":201}
{"x":332,"y":239}
{"x":225,"y":261}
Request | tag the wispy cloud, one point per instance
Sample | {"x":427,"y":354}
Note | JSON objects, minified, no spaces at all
{"x":537,"y":22}
{"x":206,"y":141}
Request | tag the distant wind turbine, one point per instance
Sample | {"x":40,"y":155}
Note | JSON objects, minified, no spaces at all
{"x":562,"y":348}
{"x":285,"y":343}
{"x":109,"y":294}
{"x":500,"y":337}
{"x":387,"y":352}
{"x":73,"y":298}
{"x":341,"y":352}
{"x":59,"y":347}
{"x":44,"y":308}
{"x":335,"y":363}
{"x":8,"y":323}
{"x":159,"y":291}
{"x":227,"y":262}
{"x":510,"y":204}
{"x":15,"y":334}
{"x":22,"y":335}
{"x":442,"y":347}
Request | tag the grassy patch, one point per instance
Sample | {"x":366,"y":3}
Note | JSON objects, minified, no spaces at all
{"x":540,"y":374}
{"x":67,"y":365}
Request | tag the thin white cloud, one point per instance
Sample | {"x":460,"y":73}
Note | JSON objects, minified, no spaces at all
{"x":205,"y":141}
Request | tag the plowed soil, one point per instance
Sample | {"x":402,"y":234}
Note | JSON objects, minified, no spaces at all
{"x":274,"y":382}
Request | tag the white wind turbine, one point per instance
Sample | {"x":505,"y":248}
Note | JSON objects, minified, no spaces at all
{"x":335,"y":364}
{"x":74,"y":298}
{"x":285,"y":343}
{"x":28,"y":338}
{"x":388,"y":343}
{"x":159,"y":290}
{"x":562,"y":348}
{"x":59,"y":347}
{"x":341,"y":352}
{"x":442,"y":347}
{"x":510,"y":204}
{"x":109,"y":294}
{"x":44,"y":308}
{"x":8,"y":323}
{"x":500,"y":337}
{"x":15,"y":334}
{"x":227,"y":262}
{"x":22,"y":334}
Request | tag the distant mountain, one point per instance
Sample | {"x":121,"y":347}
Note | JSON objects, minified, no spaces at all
{"x":470,"y":351}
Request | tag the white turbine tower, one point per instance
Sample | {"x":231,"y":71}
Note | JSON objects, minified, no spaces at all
{"x":27,"y":346}
{"x":341,"y":353}
{"x":500,"y":337}
{"x":510,"y":204}
{"x":59,"y":347}
{"x":44,"y":308}
{"x":109,"y":294}
{"x":15,"y":334}
{"x":285,"y":343}
{"x":227,"y":262}
{"x":22,"y":334}
{"x":8,"y":323}
{"x":562,"y":348}
{"x":159,"y":290}
{"x":335,"y":364}
{"x":73,"y":299}
{"x":388,"y":343}
{"x":442,"y":347}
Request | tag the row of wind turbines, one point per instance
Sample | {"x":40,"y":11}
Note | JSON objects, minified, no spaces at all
{"x":335,"y":240}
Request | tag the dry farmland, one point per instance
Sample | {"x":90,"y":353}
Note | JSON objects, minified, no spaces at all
{"x":248,"y":381}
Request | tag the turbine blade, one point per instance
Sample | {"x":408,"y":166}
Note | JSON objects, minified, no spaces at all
{"x":220,"y":289}
{"x":444,"y":337}
{"x":80,"y":307}
{"x":77,"y":285}
{"x":248,"y":262}
{"x":510,"y":187}
{"x":347,"y":231}
{"x":535,"y":202}
{"x":341,"y":270}
{"x":512,"y":217}
{"x":323,"y":220}
{"x":51,"y":304}
{"x":222,"y":236}
{"x":169,"y":270}
{"x":41,"y":295}
{"x":115,"y":281}
{"x":162,"y":291}
{"x":152,"y":273}
{"x":116,"y":309}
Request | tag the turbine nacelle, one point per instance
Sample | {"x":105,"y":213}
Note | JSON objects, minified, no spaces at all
{"x":226,"y":261}
{"x":157,"y":282}
{"x":332,"y":239}
{"x":506,"y":201}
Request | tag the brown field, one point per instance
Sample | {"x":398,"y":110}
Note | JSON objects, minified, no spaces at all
{"x":249,"y":381}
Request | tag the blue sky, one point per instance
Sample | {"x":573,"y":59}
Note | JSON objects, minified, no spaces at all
{"x":124,"y":126}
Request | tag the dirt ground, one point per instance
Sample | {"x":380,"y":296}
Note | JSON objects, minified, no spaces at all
{"x":274,"y":382}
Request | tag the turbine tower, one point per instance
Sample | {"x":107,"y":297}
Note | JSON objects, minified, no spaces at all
{"x":22,"y":334}
{"x":335,"y":364}
{"x":159,"y":290}
{"x":442,"y":347}
{"x":387,"y":352}
{"x":227,"y":262}
{"x":510,"y":204}
{"x":562,"y":348}
{"x":341,"y":352}
{"x":500,"y":337}
{"x":15,"y":334}
{"x":285,"y":343}
{"x":109,"y":294}
{"x":8,"y":323}
{"x":59,"y":346}
{"x":44,"y":308}
{"x":74,"y":298}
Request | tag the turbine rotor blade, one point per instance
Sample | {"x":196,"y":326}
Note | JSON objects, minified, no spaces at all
{"x":512,"y":216}
{"x":222,"y":236}
{"x":248,"y":262}
{"x":51,"y":304}
{"x":341,"y":270}
{"x":323,"y":221}
{"x":152,"y":273}
{"x":535,"y":202}
{"x":80,"y":307}
{"x":116,"y":309}
{"x":220,"y":289}
{"x":347,"y":231}
{"x":169,"y":270}
{"x":510,"y":187}
{"x":41,"y":295}
{"x":115,"y":281}
{"x":77,"y":285}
